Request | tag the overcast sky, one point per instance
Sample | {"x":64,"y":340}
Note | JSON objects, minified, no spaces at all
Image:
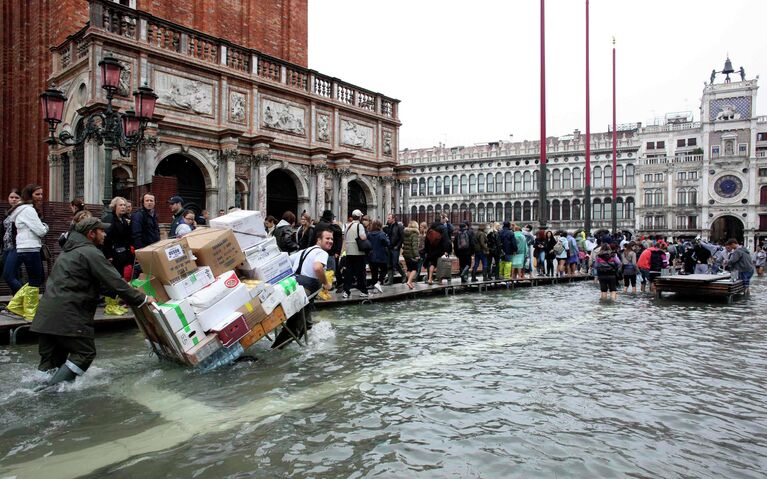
{"x":468,"y":72}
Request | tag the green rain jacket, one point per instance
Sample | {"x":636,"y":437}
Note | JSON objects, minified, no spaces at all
{"x":73,"y":289}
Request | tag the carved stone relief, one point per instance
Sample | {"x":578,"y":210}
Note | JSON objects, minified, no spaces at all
{"x":237,"y":102}
{"x":185,"y":94}
{"x":387,"y":137}
{"x":323,"y":128}
{"x":356,"y":134}
{"x":124,"y":88}
{"x":284,"y":117}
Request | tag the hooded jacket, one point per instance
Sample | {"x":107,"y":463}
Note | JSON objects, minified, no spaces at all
{"x":29,"y":229}
{"x":411,"y":244}
{"x":286,"y":241}
{"x":73,"y":289}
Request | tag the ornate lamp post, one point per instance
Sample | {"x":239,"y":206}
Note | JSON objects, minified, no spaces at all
{"x":111,"y":128}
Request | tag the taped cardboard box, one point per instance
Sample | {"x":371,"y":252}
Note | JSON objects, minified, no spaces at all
{"x":215,"y":291}
{"x":247,"y":226}
{"x":167,"y":260}
{"x":216,"y":248}
{"x":271,"y":271}
{"x":156,"y":331}
{"x":151,"y":286}
{"x":260,"y":253}
{"x":177,"y":314}
{"x":256,"y":287}
{"x":287,"y":293}
{"x":253,"y":312}
{"x":213,"y":315}
{"x":231,"y":329}
{"x":203,"y":350}
{"x":189,"y":336}
{"x":188,"y":285}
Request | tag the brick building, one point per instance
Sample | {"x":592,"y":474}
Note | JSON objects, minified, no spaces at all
{"x":29,"y":28}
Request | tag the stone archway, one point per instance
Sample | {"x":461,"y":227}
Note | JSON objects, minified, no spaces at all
{"x":190,"y":180}
{"x":356,"y":197}
{"x":281,"y":193}
{"x":726,"y":227}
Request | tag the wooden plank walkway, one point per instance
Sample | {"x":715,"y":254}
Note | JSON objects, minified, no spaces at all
{"x":11,"y":325}
{"x":700,"y":286}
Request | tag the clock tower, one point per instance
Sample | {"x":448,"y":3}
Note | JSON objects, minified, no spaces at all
{"x":729,"y":178}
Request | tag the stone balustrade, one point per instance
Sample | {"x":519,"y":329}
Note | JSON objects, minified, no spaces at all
{"x":144,"y":28}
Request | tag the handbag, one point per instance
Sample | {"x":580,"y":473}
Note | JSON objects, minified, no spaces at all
{"x":364,"y":245}
{"x":45,"y":253}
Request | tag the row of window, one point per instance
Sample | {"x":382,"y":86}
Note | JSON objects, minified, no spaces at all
{"x":684,"y":197}
{"x":564,"y":179}
{"x":565,"y":210}
{"x":682,"y":222}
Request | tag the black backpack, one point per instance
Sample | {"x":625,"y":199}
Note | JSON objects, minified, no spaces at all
{"x":656,"y":260}
{"x":463,"y":241}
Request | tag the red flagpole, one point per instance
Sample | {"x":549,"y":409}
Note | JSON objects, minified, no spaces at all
{"x":543,"y":209}
{"x":587,"y":176}
{"x":615,"y":153}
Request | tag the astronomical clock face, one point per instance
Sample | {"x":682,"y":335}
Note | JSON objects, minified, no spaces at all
{"x":728,"y":186}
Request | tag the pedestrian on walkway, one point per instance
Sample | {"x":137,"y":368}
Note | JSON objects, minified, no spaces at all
{"x":64,"y":320}
{"x":378,"y":258}
{"x":355,"y":258}
{"x":436,"y":245}
{"x":480,"y":253}
{"x":9,"y":258}
{"x":396,"y":233}
{"x":495,"y":250}
{"x":305,"y":232}
{"x":144,"y":226}
{"x":176,"y":205}
{"x":463,"y":245}
{"x":411,"y":246}
{"x":518,"y":258}
{"x":284,"y":234}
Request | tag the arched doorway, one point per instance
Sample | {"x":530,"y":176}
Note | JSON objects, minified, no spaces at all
{"x":357,"y":199}
{"x":190,"y":184}
{"x":727,"y":227}
{"x":281,"y":194}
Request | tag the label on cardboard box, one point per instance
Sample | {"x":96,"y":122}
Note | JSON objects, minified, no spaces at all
{"x":213,"y":292}
{"x":213,"y":315}
{"x":168,"y":260}
{"x":189,"y":285}
{"x":177,"y":314}
{"x":216,"y":248}
{"x":260,"y":253}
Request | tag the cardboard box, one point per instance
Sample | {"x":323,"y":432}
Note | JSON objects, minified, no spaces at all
{"x":152,"y":286}
{"x":256,"y":287}
{"x":274,"y":320}
{"x":213,"y":315}
{"x":271,"y":271}
{"x":260,"y":253}
{"x":215,"y":291}
{"x":294,"y":302}
{"x":167,"y":260}
{"x":156,"y":331}
{"x":254,"y":335}
{"x":189,"y":336}
{"x":215,"y":248}
{"x":177,"y":314}
{"x":188,"y":285}
{"x":288,"y":294}
{"x":252,"y":312}
{"x":247,"y":226}
{"x":203,"y":350}
{"x":231,"y":329}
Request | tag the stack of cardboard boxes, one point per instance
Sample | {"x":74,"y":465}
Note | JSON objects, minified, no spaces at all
{"x":218,"y":291}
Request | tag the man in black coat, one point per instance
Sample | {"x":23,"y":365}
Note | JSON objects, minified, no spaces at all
{"x":144,"y":226}
{"x":396,"y":233}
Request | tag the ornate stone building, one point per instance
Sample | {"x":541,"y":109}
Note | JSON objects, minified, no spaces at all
{"x":234,"y":126}
{"x":676,"y":178}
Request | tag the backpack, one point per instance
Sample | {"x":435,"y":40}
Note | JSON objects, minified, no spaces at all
{"x":656,"y":260}
{"x":463,"y":241}
{"x":433,"y":237}
{"x":559,"y":248}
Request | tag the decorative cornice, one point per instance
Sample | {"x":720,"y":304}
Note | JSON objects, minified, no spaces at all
{"x":150,"y":141}
{"x":230,"y":154}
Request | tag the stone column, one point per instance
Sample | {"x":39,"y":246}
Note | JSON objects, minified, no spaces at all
{"x":397,"y":205}
{"x":311,"y":208}
{"x":93,"y":169}
{"x":230,"y":178}
{"x":320,"y":189}
{"x":335,"y":187}
{"x":387,"y":203}
{"x":55,"y":178}
{"x":344,"y":195}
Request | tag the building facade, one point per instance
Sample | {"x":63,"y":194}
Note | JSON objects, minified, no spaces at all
{"x":677,"y":178}
{"x":233,"y":126}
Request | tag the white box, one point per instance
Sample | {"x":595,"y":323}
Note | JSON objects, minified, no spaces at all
{"x":177,"y":314}
{"x":273,"y":270}
{"x":189,"y":285}
{"x":255,"y":290}
{"x":215,"y":291}
{"x":213,"y":315}
{"x":294,"y":302}
{"x":260,"y":253}
{"x":292,"y":298}
{"x":190,"y":336}
{"x":248,"y":226}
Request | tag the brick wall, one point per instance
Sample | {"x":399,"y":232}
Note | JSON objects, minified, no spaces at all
{"x":28,"y":28}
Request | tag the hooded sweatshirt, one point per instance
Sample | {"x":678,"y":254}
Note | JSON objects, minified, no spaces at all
{"x":29,"y":229}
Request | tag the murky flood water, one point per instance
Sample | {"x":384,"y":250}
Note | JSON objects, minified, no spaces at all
{"x":541,"y":382}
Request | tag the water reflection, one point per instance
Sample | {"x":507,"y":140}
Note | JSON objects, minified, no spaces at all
{"x":542,"y":382}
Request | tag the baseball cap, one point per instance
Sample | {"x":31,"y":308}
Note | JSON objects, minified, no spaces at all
{"x":90,"y":224}
{"x":175,"y":199}
{"x":357,"y":213}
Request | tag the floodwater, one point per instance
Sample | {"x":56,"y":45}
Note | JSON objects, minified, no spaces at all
{"x":537,"y":382}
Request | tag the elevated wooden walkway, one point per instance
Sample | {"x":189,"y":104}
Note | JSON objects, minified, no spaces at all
{"x":700,"y":286}
{"x":11,"y":325}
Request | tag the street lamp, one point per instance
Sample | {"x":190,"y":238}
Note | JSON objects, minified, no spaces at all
{"x":113,"y":129}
